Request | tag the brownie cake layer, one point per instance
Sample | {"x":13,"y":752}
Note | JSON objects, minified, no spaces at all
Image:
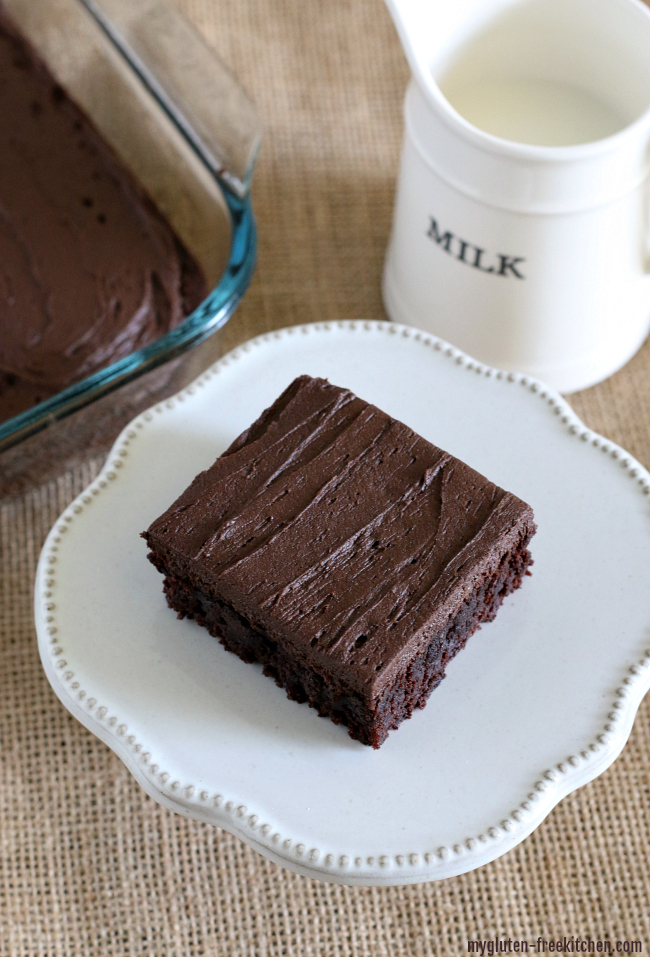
{"x":344,"y":552}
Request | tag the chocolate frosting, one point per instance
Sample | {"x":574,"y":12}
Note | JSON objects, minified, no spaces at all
{"x":89,"y":269}
{"x":338,"y":528}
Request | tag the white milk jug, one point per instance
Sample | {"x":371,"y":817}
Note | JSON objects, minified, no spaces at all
{"x":521,"y":229}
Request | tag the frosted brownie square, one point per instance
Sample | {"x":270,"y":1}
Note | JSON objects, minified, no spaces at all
{"x":349,"y":556}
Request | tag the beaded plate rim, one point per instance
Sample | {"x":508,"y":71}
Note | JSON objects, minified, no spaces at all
{"x":229,"y":811}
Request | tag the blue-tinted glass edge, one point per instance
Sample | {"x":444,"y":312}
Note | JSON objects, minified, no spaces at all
{"x":213,"y":313}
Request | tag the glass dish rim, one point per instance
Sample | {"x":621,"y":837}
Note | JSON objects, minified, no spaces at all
{"x":207,"y":318}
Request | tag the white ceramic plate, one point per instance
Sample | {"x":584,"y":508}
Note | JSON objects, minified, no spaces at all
{"x":538,"y":703}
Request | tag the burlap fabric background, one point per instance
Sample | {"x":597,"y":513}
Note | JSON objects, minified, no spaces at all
{"x":91,"y":866}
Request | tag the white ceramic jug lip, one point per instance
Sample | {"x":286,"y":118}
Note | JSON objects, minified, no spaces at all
{"x":548,"y":154}
{"x":423,"y":74}
{"x":533,"y":180}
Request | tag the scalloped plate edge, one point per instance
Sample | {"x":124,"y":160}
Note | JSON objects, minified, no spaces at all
{"x":229,"y":812}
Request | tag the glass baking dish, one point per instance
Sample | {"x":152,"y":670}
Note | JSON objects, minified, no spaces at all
{"x":189,"y":134}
